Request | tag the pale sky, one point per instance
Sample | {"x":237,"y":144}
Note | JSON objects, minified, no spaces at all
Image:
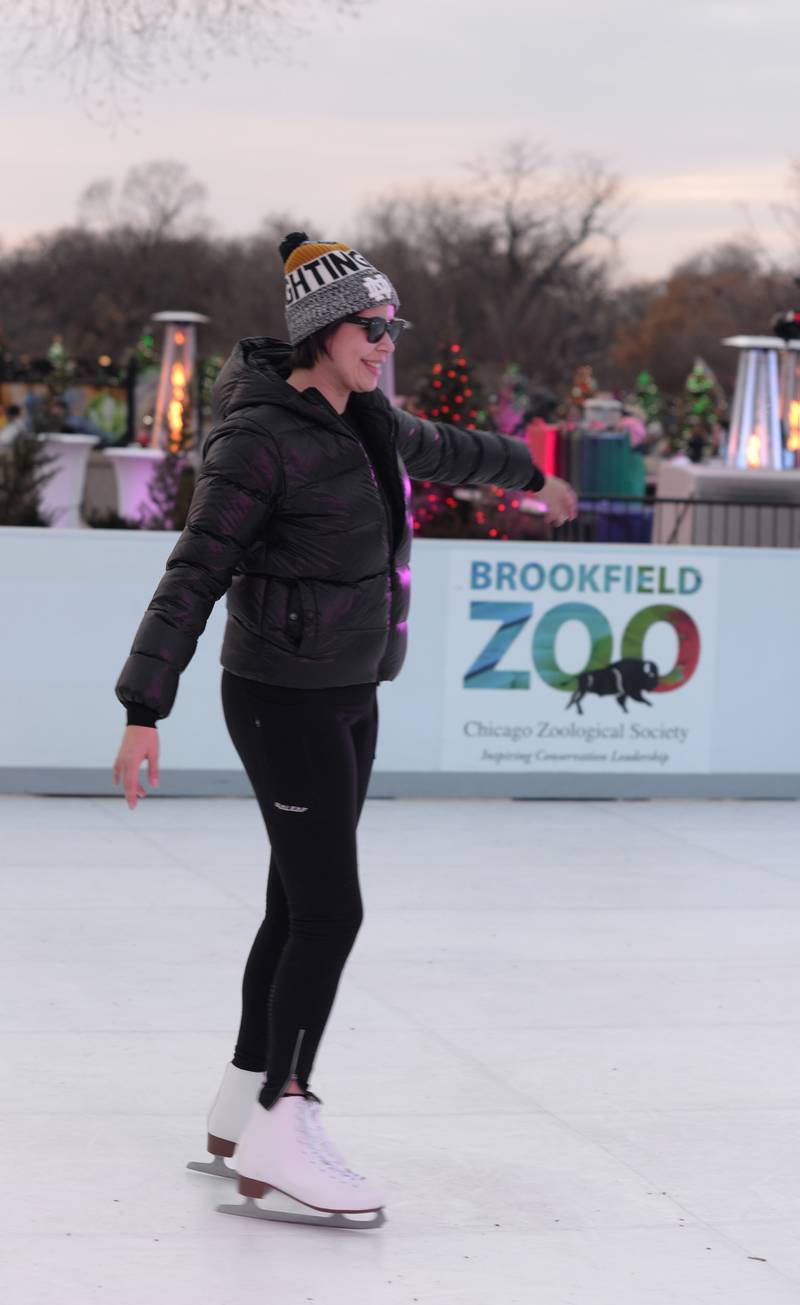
{"x":692,"y":102}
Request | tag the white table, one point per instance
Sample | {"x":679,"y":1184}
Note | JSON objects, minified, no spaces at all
{"x":731,"y":506}
{"x":133,"y":468}
{"x":63,"y":494}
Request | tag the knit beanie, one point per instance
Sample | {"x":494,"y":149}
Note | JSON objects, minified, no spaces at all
{"x":326,"y":281}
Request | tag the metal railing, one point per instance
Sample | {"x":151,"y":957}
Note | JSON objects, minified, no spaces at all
{"x":726,"y":523}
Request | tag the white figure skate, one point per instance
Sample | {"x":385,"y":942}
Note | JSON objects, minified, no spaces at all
{"x":285,"y":1148}
{"x":238,"y":1091}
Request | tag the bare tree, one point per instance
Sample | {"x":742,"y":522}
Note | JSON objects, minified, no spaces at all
{"x":158,"y":198}
{"x":517,"y":261}
{"x":729,"y":289}
{"x":543,"y":222}
{"x":788,"y":213}
{"x":133,"y":252}
{"x":96,"y":208}
{"x":109,"y":52}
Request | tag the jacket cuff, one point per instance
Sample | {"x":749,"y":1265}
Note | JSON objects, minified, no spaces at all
{"x":139,"y":715}
{"x":536,"y":481}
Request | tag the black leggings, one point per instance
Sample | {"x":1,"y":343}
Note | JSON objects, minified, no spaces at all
{"x":308,"y":755}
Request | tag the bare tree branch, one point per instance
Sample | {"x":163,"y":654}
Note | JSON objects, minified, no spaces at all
{"x":788,"y":213}
{"x":110,"y":52}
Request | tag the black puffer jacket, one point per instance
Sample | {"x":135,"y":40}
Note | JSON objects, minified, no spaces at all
{"x":304,"y":519}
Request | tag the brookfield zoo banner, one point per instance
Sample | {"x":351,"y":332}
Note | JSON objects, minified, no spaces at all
{"x":565,"y":664}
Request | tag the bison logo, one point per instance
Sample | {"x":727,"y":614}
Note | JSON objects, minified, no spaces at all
{"x":625,"y":679}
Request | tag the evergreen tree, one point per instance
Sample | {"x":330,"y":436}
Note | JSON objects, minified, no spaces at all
{"x":703,"y":407}
{"x":648,"y":397}
{"x":451,"y":392}
{"x":170,"y":493}
{"x":145,"y":352}
{"x":25,"y":469}
{"x":209,"y":369}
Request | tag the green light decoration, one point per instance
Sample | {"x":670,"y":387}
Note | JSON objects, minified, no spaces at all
{"x":703,"y":406}
{"x":146,"y":353}
{"x":648,"y":396}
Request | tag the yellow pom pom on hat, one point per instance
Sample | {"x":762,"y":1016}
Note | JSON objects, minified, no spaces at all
{"x":326,"y":281}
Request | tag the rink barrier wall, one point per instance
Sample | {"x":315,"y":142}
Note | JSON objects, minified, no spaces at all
{"x":72,"y":600}
{"x":387,"y":786}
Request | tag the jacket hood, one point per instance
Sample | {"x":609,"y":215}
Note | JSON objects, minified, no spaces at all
{"x":256,"y":372}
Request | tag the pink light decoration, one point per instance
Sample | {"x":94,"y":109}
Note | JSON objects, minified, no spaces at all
{"x":542,"y":441}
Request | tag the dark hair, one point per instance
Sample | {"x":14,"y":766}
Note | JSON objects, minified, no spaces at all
{"x":13,"y":410}
{"x":309,"y":351}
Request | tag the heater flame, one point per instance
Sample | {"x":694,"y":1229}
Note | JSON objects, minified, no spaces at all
{"x":793,"y":442}
{"x":173,"y":420}
{"x":177,"y":379}
{"x":754,"y":450}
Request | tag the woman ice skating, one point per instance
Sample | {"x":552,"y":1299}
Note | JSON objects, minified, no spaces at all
{"x":301,"y":514}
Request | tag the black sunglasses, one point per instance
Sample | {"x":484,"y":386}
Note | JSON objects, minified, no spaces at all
{"x":377,"y":327}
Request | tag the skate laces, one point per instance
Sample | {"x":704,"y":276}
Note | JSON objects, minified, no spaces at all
{"x":324,"y":1146}
{"x":308,"y":1138}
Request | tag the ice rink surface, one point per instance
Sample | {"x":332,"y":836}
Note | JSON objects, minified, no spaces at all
{"x":566,"y":1043}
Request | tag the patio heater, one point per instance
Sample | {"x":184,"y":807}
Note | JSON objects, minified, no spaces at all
{"x":790,"y":402}
{"x":787,"y":327}
{"x":755,"y":439}
{"x":174,"y":423}
{"x":386,"y":381}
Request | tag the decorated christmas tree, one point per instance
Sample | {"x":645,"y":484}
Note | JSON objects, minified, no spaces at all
{"x":450,"y":393}
{"x":648,"y":397}
{"x":703,"y":407}
{"x":584,"y":386}
{"x":145,"y":352}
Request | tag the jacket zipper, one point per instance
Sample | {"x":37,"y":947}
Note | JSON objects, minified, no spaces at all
{"x":382,"y":497}
{"x":389,"y":534}
{"x":390,"y":551}
{"x":387,"y":514}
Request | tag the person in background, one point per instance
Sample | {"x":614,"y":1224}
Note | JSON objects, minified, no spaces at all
{"x":16,"y":424}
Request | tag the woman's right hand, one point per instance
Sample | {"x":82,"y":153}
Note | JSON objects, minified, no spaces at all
{"x":139,"y":743}
{"x":560,"y":500}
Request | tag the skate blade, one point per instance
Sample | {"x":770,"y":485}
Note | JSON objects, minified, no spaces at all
{"x":250,"y":1209}
{"x":217,"y":1168}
